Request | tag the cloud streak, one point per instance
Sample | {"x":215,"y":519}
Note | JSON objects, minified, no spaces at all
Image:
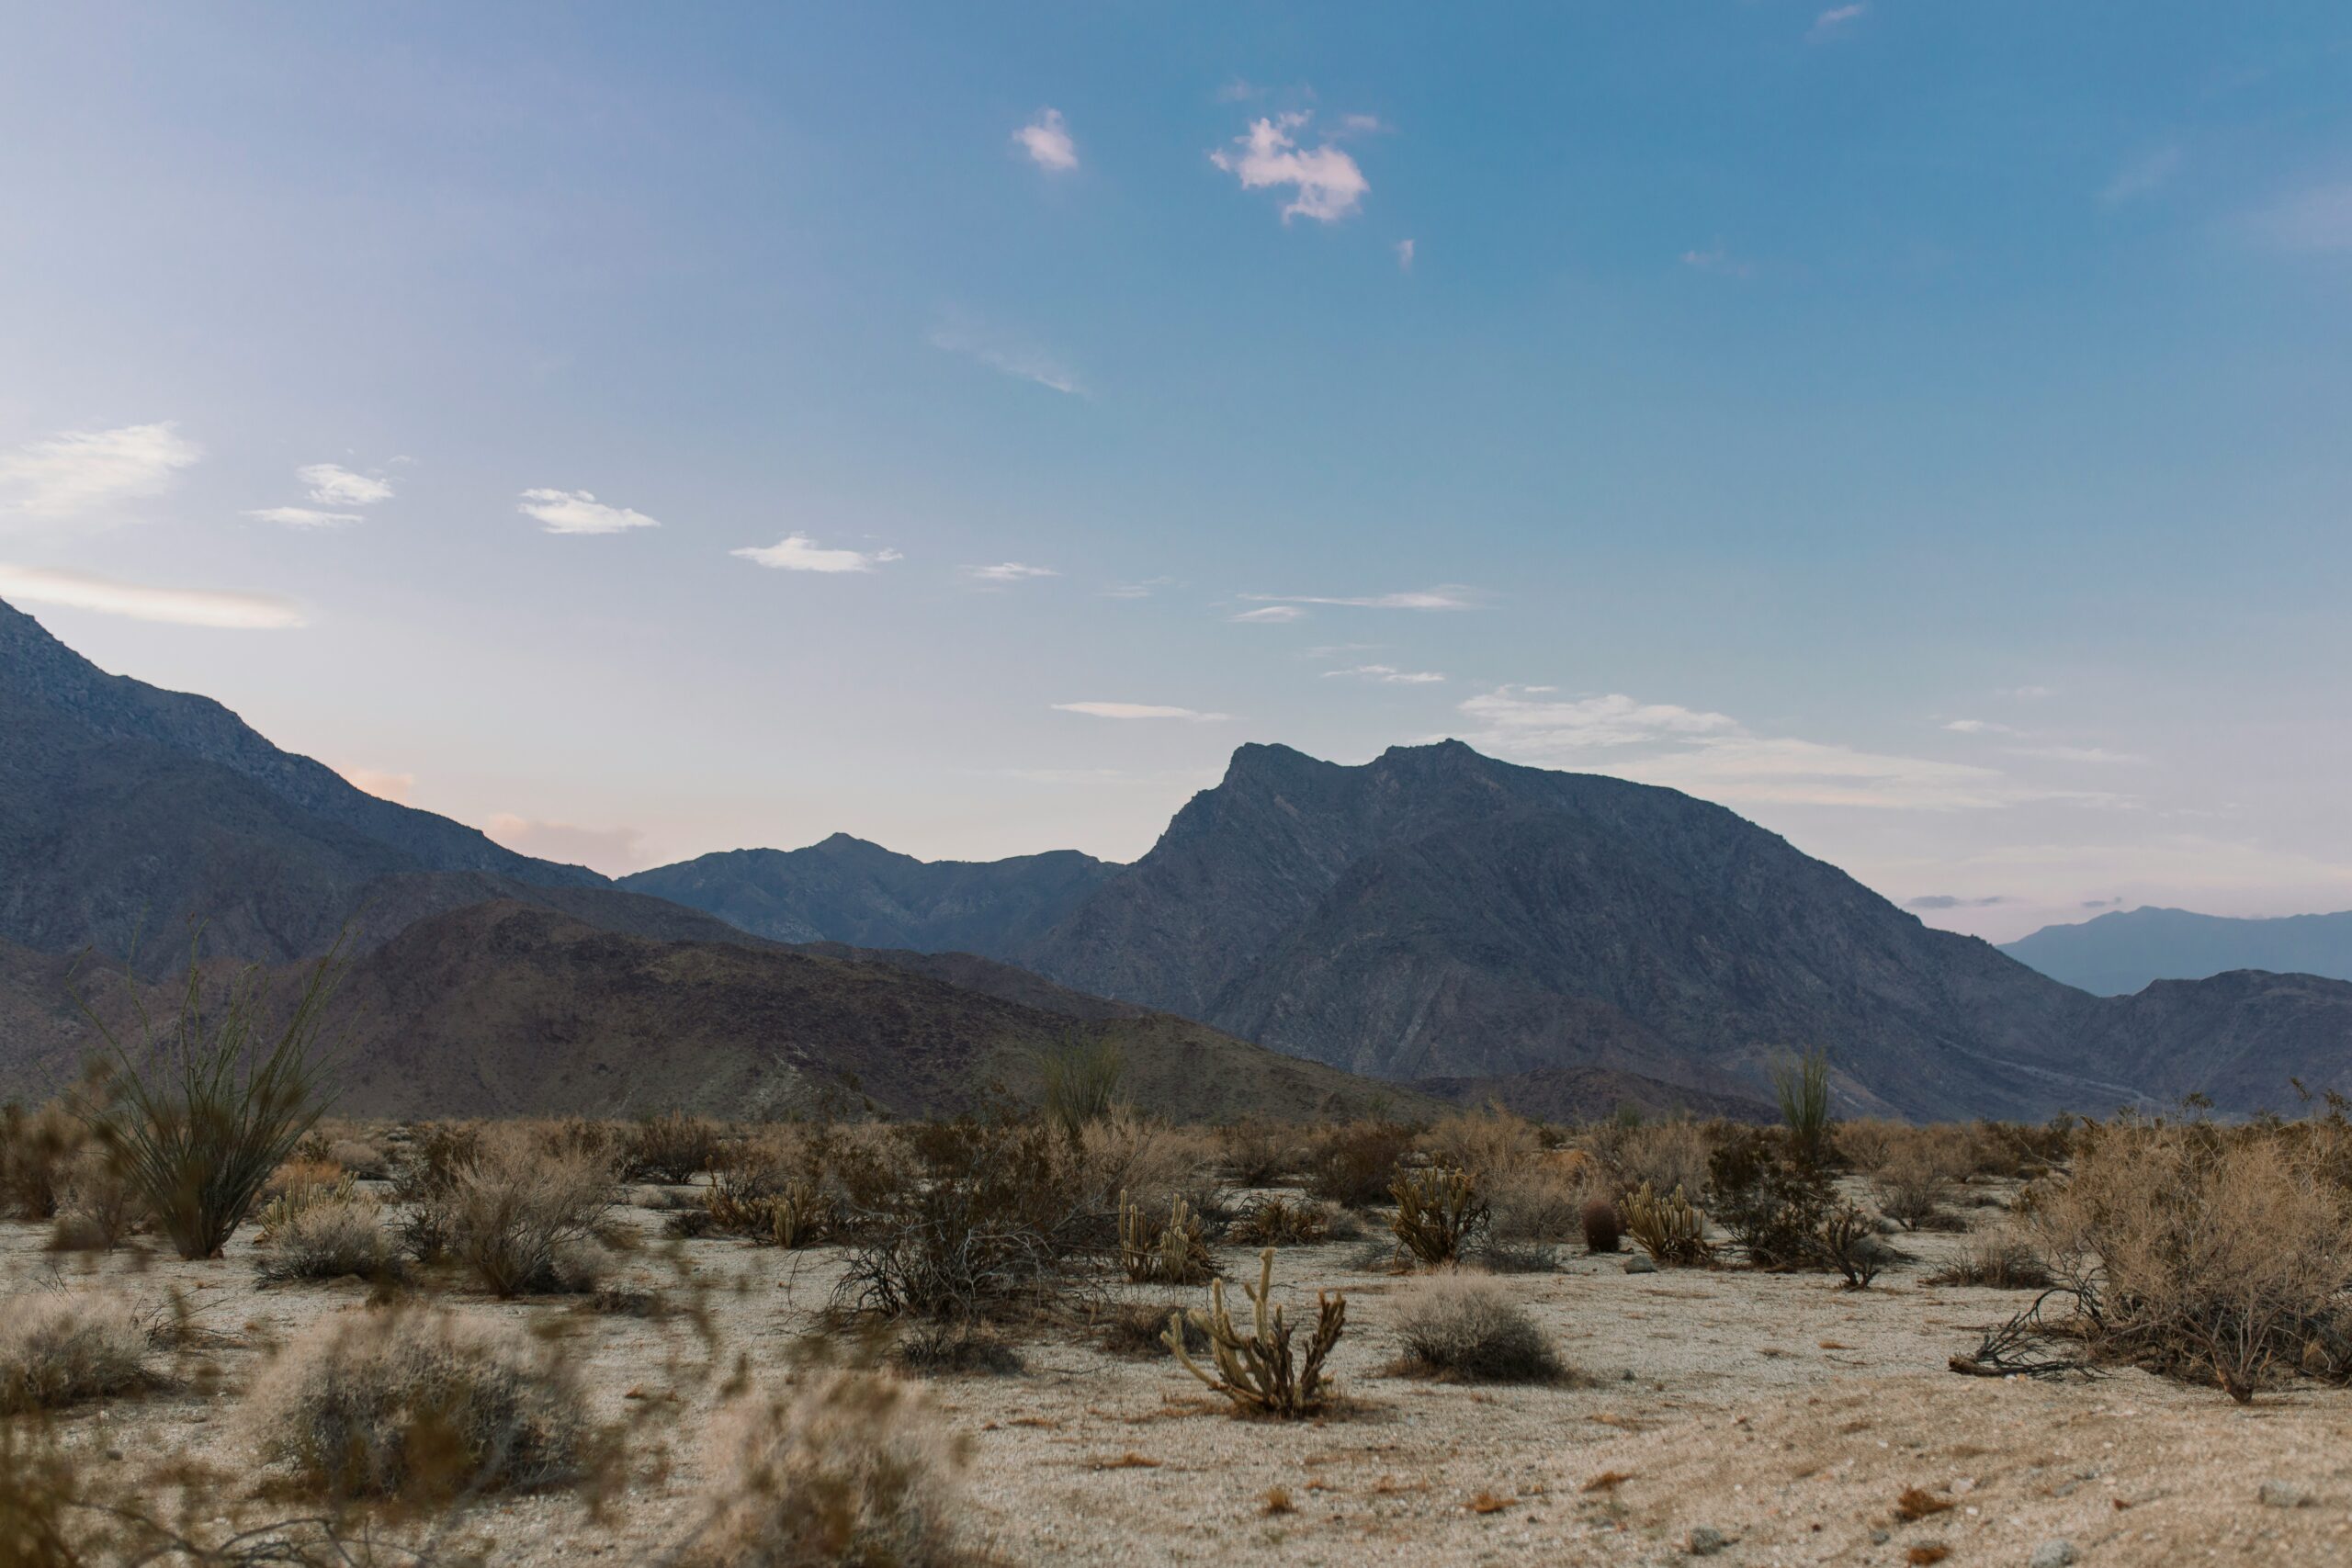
{"x":1139,"y":710}
{"x":172,"y":606}
{"x":1387,"y":675}
{"x":578,"y":512}
{"x":1011,"y":356}
{"x":1008,"y":572}
{"x":798,"y":552}
{"x":304,"y":517}
{"x":1444,"y":596}
{"x":82,"y":471}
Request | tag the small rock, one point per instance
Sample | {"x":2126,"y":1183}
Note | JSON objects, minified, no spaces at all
{"x":2278,"y":1495}
{"x":1706,"y":1540}
{"x":1638,"y":1264}
{"x":1880,"y":1537}
{"x":2056,"y":1553}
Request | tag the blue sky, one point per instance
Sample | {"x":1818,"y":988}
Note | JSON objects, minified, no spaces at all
{"x":1923,"y":428}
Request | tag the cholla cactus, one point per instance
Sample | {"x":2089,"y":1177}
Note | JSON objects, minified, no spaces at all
{"x":1173,"y":1254}
{"x":1257,"y":1370}
{"x":1437,"y":1210}
{"x":1669,"y":1229}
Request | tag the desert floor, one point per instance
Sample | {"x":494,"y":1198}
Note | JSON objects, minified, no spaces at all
{"x":1778,"y":1410}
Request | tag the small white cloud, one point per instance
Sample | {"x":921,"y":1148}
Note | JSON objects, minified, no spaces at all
{"x":1328,"y":183}
{"x":1008,"y":571}
{"x":1143,"y":590}
{"x":2314,"y":221}
{"x":1239,"y":91}
{"x":577,"y":512}
{"x":1404,"y":255}
{"x":394,"y":787}
{"x":1010,"y":355}
{"x":798,"y":552}
{"x":1271,"y":614}
{"x":1835,"y":18}
{"x":304,"y":517}
{"x":1388,"y":675}
{"x":1360,"y":125}
{"x":1139,"y":710}
{"x":1444,"y":596}
{"x":174,"y":607}
{"x":2144,"y":177}
{"x":1048,"y":143}
{"x":80,"y":472}
{"x":613,"y":850}
{"x":334,"y":485}
{"x":1978,"y":727}
{"x":1718,"y":261}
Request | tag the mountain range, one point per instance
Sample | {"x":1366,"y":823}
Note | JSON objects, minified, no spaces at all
{"x":1435,"y":919}
{"x":2122,"y":951}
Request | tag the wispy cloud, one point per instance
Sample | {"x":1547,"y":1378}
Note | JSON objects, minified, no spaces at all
{"x":1444,"y":596}
{"x":1836,"y":18}
{"x":1715,"y":756}
{"x":2142,"y":177}
{"x":1326,"y":182}
{"x":304,"y":517}
{"x":175,"y":606}
{"x":395,"y":787}
{"x":1047,"y":142}
{"x":1954,"y":901}
{"x":1143,"y":590}
{"x":2314,"y":221}
{"x":2075,"y":755}
{"x":1719,"y":261}
{"x":1004,"y":352}
{"x":798,"y":552}
{"x":1008,"y":571}
{"x":1139,"y":710}
{"x":331,"y":484}
{"x":1978,"y":727}
{"x":81,"y":471}
{"x":2027,"y":694}
{"x":578,"y":512}
{"x":612,"y":851}
{"x":1405,"y":249}
{"x":1269,"y":616}
{"x":1388,"y":675}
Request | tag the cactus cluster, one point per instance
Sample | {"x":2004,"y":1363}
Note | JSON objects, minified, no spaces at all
{"x":1438,"y":1210}
{"x":1175,"y":1253}
{"x":1258,"y":1371}
{"x":1669,"y":1229}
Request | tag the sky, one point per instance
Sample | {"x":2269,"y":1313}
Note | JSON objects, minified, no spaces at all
{"x":1926,"y":429}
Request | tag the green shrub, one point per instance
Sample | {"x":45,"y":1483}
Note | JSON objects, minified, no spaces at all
{"x":1771,"y":1204}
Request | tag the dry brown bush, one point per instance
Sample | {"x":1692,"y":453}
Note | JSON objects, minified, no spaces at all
{"x":97,"y":1207}
{"x":421,"y":1403}
{"x":2203,"y":1252}
{"x":38,"y":1148}
{"x":1918,"y":1178}
{"x":1536,"y":1201}
{"x":1664,"y":1155}
{"x":1999,"y":1260}
{"x":1276,"y":1219}
{"x":516,"y":1206}
{"x":1154,"y":1163}
{"x":670,"y":1147}
{"x":1468,"y":1326}
{"x":1484,"y":1143}
{"x":854,"y":1468}
{"x":331,"y":1239}
{"x":58,"y":1348}
{"x":1353,"y":1162}
{"x":1259,"y":1153}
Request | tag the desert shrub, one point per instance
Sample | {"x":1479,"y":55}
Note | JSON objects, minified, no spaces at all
{"x":37,"y":1149}
{"x":1843,"y":1240}
{"x":1468,"y":1328}
{"x":360,"y":1157}
{"x":998,"y":1213}
{"x":1668,"y":1228}
{"x":1135,"y":1329}
{"x":1484,"y":1143}
{"x":1802,"y":1086}
{"x":1535,"y":1200}
{"x":424,"y":1174}
{"x":1661,"y":1154}
{"x":1439,"y":1211}
{"x":2017,"y":1150}
{"x":770,"y":1190}
{"x":1770,"y":1200}
{"x":1276,"y":1219}
{"x":1353,"y":1163}
{"x":420,"y":1404}
{"x":853,"y":1470}
{"x":218,"y":1102}
{"x":330,"y":1238}
{"x":1257,"y":1370}
{"x":671,"y":1147}
{"x":1603,"y":1228}
{"x":1078,"y":1079}
{"x":60,"y":1348}
{"x":97,"y":1206}
{"x":1915,"y":1183}
{"x":1173,"y":1251}
{"x":2202,"y":1253}
{"x":518,"y":1209}
{"x":1124,"y":1152}
{"x":1491,"y":1254}
{"x":930,"y":1349}
{"x":2001,"y":1262}
{"x":1258,"y":1153}
{"x":296,"y":1186}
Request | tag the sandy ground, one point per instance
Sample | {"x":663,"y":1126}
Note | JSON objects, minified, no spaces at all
{"x":1778,"y":1410}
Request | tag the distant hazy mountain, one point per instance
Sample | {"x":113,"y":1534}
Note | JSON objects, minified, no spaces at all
{"x":2118,"y":954}
{"x":850,"y":891}
{"x":125,"y":811}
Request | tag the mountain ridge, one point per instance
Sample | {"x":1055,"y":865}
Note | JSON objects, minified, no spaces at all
{"x":2124,"y":951}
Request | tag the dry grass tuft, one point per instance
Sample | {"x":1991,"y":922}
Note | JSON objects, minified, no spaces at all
{"x":854,"y":1468}
{"x":1466,"y":1326}
{"x":1277,"y":1220}
{"x":58,"y":1349}
{"x":1998,"y":1261}
{"x":1915,"y":1505}
{"x":1277,"y":1501}
{"x":420,"y":1404}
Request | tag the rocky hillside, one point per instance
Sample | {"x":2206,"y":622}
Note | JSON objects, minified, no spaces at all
{"x":850,"y":891}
